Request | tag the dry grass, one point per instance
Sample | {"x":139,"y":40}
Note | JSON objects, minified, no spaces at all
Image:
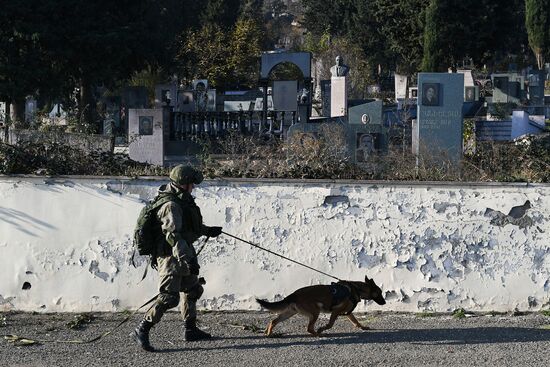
{"x":304,"y":156}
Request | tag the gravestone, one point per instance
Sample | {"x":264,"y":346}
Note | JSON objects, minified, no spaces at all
{"x":166,"y":95}
{"x":211,"y":100}
{"x":185,"y":101}
{"x":146,"y":132}
{"x":508,"y":88}
{"x":536,"y":84}
{"x":30,"y":109}
{"x":111,"y":122}
{"x":366,"y":113}
{"x":338,"y":96}
{"x":325,"y":98}
{"x":400,"y":86}
{"x":200,"y":89}
{"x":285,"y":95}
{"x":132,"y":97}
{"x":366,"y":134}
{"x":439,"y":124}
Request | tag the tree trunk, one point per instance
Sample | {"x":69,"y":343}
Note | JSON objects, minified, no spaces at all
{"x":540,"y":60}
{"x":7,"y":124}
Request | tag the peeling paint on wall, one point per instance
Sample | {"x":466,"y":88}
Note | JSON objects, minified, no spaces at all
{"x":431,"y":247}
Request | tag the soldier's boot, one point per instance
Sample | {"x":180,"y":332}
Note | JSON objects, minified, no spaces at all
{"x":141,"y":335}
{"x":193,"y":333}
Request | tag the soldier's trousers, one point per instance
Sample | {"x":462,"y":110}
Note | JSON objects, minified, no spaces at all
{"x":175,"y":279}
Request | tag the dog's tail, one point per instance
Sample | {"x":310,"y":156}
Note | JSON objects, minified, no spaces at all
{"x":274,"y":306}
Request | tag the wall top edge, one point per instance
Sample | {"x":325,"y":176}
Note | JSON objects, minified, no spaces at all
{"x":225,"y":181}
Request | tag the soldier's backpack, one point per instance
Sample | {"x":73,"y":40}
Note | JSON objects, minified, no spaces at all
{"x":148,"y":226}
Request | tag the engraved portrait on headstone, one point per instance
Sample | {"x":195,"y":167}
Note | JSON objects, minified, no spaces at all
{"x":145,"y":125}
{"x":339,"y":69}
{"x":365,"y":147}
{"x":430,"y":94}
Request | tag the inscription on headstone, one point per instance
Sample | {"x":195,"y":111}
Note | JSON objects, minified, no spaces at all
{"x":441,"y":96}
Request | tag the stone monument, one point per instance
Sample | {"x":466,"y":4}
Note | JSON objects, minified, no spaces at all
{"x":284,"y":95}
{"x":438,"y":130}
{"x":339,"y":88}
{"x":146,"y":135}
{"x":339,"y":69}
{"x":338,"y":96}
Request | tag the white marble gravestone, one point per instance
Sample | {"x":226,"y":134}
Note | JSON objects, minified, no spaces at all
{"x":145,"y":131}
{"x":338,"y":96}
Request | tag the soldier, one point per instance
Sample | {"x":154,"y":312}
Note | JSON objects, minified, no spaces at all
{"x":180,"y":224}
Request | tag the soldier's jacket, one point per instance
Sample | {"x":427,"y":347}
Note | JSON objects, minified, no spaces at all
{"x":181,"y":223}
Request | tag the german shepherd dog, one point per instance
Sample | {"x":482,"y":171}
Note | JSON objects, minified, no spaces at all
{"x":337,"y":299}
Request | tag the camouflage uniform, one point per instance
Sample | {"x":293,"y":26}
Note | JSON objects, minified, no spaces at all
{"x":180,"y":226}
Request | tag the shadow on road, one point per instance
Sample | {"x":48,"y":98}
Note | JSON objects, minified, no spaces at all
{"x":414,"y":336}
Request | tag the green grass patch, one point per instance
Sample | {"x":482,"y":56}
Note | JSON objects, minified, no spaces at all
{"x":459,"y":313}
{"x":545,"y":327}
{"x":545,"y":312}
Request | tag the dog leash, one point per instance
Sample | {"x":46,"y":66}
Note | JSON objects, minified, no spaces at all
{"x":284,"y":257}
{"x":19,"y":340}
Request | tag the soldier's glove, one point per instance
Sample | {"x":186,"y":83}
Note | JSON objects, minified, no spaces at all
{"x":213,"y":231}
{"x":194,"y":267}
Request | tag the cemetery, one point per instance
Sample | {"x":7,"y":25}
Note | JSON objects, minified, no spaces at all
{"x":427,"y":117}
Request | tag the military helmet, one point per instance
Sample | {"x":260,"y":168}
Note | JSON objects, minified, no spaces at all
{"x":183,"y":175}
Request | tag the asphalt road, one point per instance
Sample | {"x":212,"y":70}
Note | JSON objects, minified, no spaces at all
{"x":395,"y":340}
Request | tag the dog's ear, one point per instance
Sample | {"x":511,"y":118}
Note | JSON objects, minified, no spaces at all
{"x":366,"y":278}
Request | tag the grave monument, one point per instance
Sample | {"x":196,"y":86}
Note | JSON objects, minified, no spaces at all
{"x":146,"y":131}
{"x":339,"y":89}
{"x":438,"y":131}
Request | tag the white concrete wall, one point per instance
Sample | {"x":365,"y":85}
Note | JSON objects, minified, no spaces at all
{"x":430,"y":246}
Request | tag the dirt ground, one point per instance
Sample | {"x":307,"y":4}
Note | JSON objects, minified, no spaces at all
{"x":394,"y":340}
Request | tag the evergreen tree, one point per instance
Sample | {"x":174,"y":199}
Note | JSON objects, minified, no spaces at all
{"x":537,"y":20}
{"x":222,"y":13}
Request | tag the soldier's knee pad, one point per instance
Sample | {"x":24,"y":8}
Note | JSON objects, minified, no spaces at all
{"x":195,"y":293}
{"x":169,"y":300}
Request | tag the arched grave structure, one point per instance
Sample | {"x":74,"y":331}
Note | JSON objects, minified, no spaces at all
{"x":303,"y":61}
